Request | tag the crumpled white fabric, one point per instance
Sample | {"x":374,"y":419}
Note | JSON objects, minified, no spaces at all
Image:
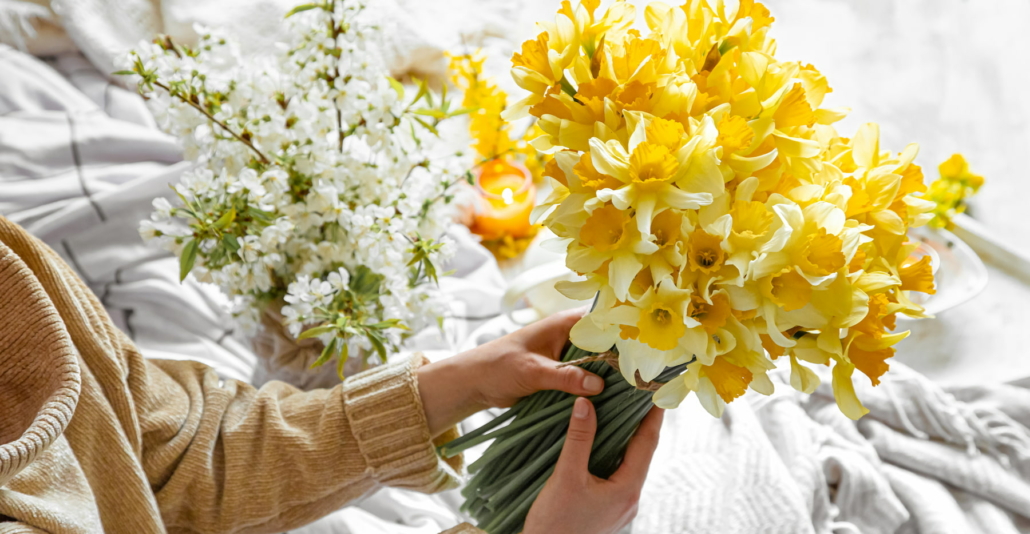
{"x":105,"y":30}
{"x":920,"y":461}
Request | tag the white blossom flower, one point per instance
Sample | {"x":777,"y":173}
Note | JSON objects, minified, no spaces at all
{"x":287,"y":194}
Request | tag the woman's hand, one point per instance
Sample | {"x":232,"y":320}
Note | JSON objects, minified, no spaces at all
{"x":574,"y":501}
{"x":497,"y":374}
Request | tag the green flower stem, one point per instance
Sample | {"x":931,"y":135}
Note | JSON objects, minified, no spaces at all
{"x":528,"y":473}
{"x":447,"y":450}
{"x":503,"y":446}
{"x":533,"y":446}
{"x":559,"y":418}
{"x":515,"y":467}
{"x":608,"y":424}
{"x":607,"y":452}
{"x":540,"y":419}
{"x":507,"y":465}
{"x":603,"y":448}
{"x":512,"y":519}
{"x":475,"y":507}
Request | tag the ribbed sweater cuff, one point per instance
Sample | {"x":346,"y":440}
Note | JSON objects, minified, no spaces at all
{"x":386,"y":416}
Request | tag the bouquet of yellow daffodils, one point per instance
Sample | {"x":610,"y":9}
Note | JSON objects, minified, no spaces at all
{"x":717,"y":215}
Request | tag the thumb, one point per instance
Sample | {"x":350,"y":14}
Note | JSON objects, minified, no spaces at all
{"x":575,"y":453}
{"x":549,"y":336}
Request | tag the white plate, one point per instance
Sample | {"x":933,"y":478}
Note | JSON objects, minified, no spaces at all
{"x":959,"y":274}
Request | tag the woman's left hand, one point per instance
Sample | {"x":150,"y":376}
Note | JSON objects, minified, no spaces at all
{"x":497,"y":374}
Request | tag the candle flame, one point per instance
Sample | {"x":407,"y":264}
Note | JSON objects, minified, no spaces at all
{"x":508,"y":195}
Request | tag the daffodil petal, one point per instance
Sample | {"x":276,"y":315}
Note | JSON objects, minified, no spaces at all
{"x":866,"y":146}
{"x":670,"y":395}
{"x":610,"y":158}
{"x":578,"y":289}
{"x":623,"y":269}
{"x":679,"y":199}
{"x":844,"y":391}
{"x":709,"y":398}
{"x":587,"y":335}
{"x":802,"y":378}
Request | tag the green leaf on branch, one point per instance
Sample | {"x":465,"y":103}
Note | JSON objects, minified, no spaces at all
{"x":429,"y":94}
{"x":378,"y":343}
{"x":230,"y":242}
{"x":389,"y":323}
{"x":301,"y":8}
{"x":434,"y":113}
{"x":316,"y":331}
{"x":262,"y":216}
{"x":188,"y":258}
{"x":427,"y":126}
{"x":421,"y":252}
{"x":365,"y":284}
{"x":398,"y":87}
{"x":461,"y":111}
{"x":123,"y":73}
{"x":226,"y":219}
{"x":327,"y":353}
{"x":342,"y":361}
{"x":423,"y":90}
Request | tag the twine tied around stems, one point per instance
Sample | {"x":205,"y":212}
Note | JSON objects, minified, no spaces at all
{"x":612,"y":359}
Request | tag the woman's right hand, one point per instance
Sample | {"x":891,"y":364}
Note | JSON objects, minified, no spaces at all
{"x":574,"y":501}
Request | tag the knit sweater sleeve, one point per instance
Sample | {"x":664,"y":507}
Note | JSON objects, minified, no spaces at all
{"x":226,"y":457}
{"x":217,"y":456}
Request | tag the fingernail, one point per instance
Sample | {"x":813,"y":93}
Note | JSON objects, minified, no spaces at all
{"x":579,"y":410}
{"x":593,"y":383}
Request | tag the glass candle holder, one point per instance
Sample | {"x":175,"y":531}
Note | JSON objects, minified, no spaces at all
{"x":506,"y":196}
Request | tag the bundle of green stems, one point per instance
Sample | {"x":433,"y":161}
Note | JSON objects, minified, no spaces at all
{"x":507,"y":478}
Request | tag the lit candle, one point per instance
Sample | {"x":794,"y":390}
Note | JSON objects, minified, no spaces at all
{"x":506,"y":197}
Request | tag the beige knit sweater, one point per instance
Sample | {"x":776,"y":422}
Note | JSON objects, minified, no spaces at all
{"x":94,"y":438}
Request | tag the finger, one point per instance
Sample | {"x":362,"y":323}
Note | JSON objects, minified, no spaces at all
{"x":641,"y":449}
{"x":575,"y":453}
{"x":548,"y":336}
{"x":569,"y":378}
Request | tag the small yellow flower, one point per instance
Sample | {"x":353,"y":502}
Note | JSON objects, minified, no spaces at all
{"x":591,"y":178}
{"x":729,"y":381}
{"x":917,"y":275}
{"x":794,"y":109}
{"x":956,"y":168}
{"x":704,"y":252}
{"x":821,"y":254}
{"x":787,"y":289}
{"x":734,"y":134}
{"x":665,"y":133}
{"x":712,"y":315}
{"x":660,"y":327}
{"x":605,"y":229}
{"x":667,"y":228}
{"x":951,"y":190}
{"x":751,"y":222}
{"x":651,"y":165}
{"x":534,"y":57}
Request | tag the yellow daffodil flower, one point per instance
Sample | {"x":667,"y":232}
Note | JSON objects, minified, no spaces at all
{"x":709,"y":201}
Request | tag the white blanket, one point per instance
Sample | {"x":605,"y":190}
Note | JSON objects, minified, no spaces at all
{"x":80,"y":163}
